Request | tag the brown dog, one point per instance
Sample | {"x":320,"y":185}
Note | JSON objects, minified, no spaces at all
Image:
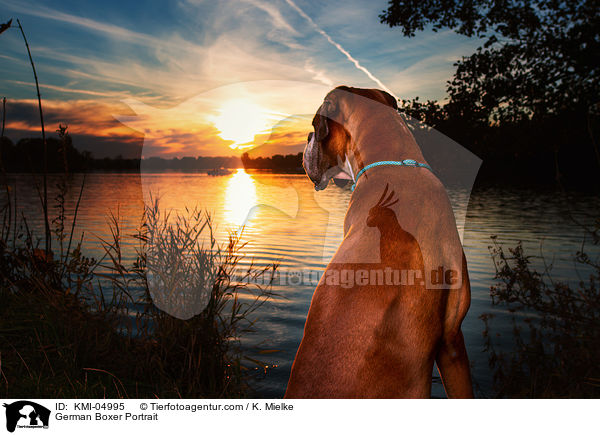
{"x":379,"y":333}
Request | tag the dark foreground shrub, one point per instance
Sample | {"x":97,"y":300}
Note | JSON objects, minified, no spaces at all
{"x":72,"y":326}
{"x":556,"y":329}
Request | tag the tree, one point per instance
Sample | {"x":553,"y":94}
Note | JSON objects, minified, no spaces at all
{"x":530,"y":94}
{"x":538,"y":57}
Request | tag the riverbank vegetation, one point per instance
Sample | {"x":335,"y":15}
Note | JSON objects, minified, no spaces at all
{"x":555,"y":340}
{"x":75,"y":326}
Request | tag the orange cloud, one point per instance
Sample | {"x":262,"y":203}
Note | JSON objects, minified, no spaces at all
{"x":183,"y":130}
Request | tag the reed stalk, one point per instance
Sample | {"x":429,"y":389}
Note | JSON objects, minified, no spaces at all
{"x":45,"y":174}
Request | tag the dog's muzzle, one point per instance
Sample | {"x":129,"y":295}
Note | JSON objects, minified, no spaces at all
{"x":312,"y":160}
{"x":317,"y":169}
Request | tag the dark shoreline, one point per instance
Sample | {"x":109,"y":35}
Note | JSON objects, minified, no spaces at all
{"x":482,"y":182}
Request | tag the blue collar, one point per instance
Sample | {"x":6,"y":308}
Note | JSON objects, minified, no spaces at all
{"x":407,"y":162}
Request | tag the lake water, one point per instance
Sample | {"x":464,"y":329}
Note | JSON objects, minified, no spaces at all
{"x":287,"y":222}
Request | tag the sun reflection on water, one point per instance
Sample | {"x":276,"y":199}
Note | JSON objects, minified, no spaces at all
{"x":240,"y":198}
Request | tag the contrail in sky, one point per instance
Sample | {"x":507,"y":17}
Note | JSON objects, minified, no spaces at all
{"x":340,"y":48}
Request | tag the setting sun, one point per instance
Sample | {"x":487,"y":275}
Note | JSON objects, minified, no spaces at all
{"x":240,"y":121}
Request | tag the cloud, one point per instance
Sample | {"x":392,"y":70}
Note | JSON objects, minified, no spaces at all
{"x":339,"y":47}
{"x":276,"y":18}
{"x":243,"y":44}
{"x":427,"y":77}
{"x":317,"y":75}
{"x":239,"y":44}
{"x":104,"y":28}
{"x":182,"y":128}
{"x":84,"y":118}
{"x":212,"y":51}
{"x":71,"y":90}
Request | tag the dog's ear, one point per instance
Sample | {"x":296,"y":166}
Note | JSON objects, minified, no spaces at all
{"x":328,"y":111}
{"x":320,"y":122}
{"x":390,"y":100}
{"x":344,"y":88}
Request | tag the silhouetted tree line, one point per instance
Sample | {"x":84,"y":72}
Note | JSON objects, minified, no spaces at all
{"x":528,"y":100}
{"x":27,"y":156}
{"x":553,"y":147}
{"x":280,"y":163}
{"x":191,"y":163}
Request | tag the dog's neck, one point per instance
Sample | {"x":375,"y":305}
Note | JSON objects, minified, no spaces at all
{"x":389,"y":139}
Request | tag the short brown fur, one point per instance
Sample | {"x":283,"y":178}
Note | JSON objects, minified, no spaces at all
{"x":379,"y":341}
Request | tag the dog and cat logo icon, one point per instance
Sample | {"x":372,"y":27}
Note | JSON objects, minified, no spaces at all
{"x":25,"y":414}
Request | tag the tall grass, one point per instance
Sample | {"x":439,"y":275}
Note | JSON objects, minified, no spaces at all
{"x":75,"y":326}
{"x":166,"y":325}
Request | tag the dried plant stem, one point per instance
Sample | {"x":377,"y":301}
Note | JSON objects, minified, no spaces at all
{"x":45,"y":182}
{"x":66,"y":258}
{"x":8,"y":215}
{"x":3,"y":115}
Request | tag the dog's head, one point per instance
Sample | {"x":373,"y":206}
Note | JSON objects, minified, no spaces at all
{"x":328,"y":146}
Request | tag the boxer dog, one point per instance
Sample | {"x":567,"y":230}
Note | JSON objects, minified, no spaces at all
{"x":378,"y":334}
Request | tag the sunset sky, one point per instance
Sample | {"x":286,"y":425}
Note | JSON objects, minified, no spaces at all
{"x":190,"y":77}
